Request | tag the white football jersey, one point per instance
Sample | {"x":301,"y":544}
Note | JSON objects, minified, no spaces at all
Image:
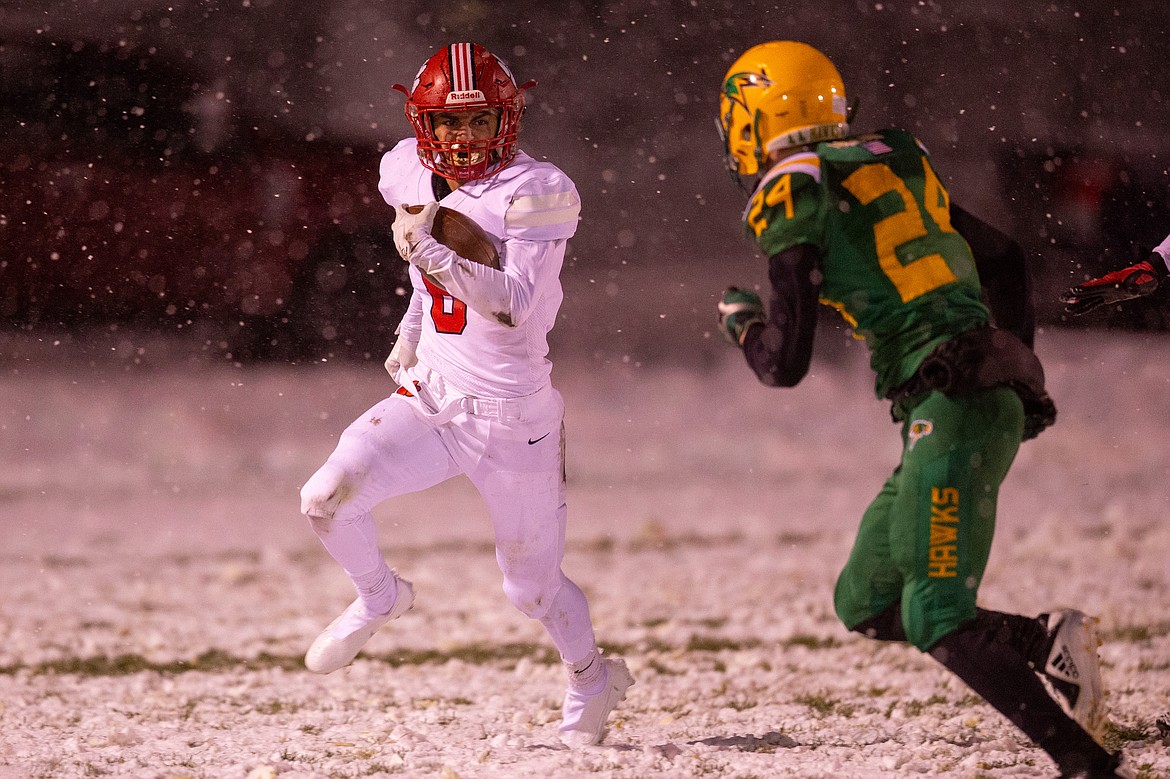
{"x":530,"y":208}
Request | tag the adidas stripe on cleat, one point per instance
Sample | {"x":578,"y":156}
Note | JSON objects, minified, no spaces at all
{"x":1072,"y":670}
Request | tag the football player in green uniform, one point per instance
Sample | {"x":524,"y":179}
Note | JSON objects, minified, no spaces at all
{"x":862,"y":223}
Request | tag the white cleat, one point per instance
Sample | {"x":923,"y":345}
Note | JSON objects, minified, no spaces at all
{"x":339,"y":643}
{"x":1072,"y":672}
{"x":584,"y":716}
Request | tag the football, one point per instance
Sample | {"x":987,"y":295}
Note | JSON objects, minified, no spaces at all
{"x":463,"y":235}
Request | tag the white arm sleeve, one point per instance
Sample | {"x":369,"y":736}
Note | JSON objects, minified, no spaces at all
{"x":541,"y":216}
{"x":506,"y":296}
{"x":410,"y":328}
{"x":1163,"y":249}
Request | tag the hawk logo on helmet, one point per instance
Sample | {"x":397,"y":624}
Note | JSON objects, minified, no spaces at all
{"x":738,"y":90}
{"x":734,"y":85}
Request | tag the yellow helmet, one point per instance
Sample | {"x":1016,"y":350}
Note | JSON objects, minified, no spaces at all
{"x":775,"y":96}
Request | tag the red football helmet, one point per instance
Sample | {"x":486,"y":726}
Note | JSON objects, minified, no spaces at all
{"x":465,"y":77}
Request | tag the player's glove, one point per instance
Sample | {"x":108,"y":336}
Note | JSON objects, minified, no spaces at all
{"x":401,"y":356}
{"x":739,"y":309}
{"x":410,"y":228}
{"x":1126,"y":284}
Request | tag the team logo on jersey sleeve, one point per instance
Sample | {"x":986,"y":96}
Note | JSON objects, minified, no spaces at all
{"x":919,"y":429}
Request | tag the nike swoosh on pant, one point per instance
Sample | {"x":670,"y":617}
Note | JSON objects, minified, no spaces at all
{"x":538,"y":440}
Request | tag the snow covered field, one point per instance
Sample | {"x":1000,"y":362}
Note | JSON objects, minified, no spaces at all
{"x":160,"y":588}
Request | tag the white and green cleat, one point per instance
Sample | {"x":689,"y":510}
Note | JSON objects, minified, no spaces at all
{"x":1072,"y":671}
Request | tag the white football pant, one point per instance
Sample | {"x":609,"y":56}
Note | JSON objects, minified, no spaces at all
{"x":512,"y":450}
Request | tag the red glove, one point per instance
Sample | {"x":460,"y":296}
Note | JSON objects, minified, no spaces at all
{"x":1126,"y":284}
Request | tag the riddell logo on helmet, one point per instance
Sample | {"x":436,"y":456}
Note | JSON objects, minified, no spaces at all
{"x":465,"y":96}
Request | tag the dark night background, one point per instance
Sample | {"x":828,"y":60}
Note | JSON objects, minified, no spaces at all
{"x":1047,"y":119}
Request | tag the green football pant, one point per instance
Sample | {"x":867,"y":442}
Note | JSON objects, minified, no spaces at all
{"x":925,"y":539}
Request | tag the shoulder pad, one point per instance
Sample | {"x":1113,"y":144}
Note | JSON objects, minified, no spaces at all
{"x":805,"y":162}
{"x":544,"y":206}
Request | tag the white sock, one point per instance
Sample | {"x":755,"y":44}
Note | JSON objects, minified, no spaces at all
{"x":378,"y":589}
{"x":587,"y":676}
{"x":353,"y":542}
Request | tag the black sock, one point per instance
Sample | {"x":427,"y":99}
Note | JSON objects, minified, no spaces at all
{"x":1027,"y":635}
{"x":1000,"y":674}
{"x":885,"y":626}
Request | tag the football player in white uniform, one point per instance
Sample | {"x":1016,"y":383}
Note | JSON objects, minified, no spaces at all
{"x":474,"y":395}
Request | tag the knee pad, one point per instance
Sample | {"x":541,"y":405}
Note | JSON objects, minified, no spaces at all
{"x":323,"y":493}
{"x":533,"y":599}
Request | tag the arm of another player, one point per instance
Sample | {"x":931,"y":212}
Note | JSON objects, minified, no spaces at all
{"x":778,"y":348}
{"x":1003,"y":273}
{"x":1136,"y":281}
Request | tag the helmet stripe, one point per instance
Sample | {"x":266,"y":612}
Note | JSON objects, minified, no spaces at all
{"x":462,"y":70}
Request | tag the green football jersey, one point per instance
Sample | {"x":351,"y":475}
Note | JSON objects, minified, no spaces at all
{"x":893,"y":266}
